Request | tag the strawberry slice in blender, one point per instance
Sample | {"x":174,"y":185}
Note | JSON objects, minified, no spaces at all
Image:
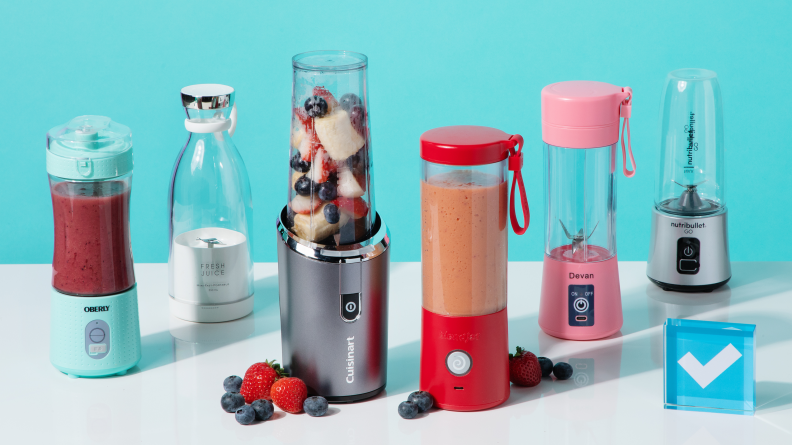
{"x":304,"y":205}
{"x":309,"y":145}
{"x":355,"y":207}
{"x":321,"y":166}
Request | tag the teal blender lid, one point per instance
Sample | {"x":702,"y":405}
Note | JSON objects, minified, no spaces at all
{"x":89,"y":148}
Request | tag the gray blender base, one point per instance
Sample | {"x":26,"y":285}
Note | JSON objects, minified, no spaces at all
{"x":689,"y":254}
{"x":334,"y":314}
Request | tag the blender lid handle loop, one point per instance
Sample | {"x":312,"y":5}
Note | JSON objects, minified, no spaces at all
{"x":515,"y":165}
{"x":626,"y":111}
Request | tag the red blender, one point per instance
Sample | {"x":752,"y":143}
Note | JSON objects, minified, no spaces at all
{"x":581,"y":297}
{"x":464,"y":335}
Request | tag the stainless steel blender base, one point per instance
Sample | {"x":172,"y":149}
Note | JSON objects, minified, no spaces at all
{"x":689,"y":254}
{"x":334,"y":314}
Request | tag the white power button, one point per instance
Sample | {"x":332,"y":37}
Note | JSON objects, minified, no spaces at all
{"x":458,"y":362}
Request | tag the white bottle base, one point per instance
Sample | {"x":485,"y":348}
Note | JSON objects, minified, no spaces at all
{"x":211,"y":313}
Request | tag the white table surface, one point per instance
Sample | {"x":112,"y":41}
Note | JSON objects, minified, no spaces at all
{"x":173,"y":395}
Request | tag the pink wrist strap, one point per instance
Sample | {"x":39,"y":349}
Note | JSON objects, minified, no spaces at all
{"x":626,"y":110}
{"x":515,"y":165}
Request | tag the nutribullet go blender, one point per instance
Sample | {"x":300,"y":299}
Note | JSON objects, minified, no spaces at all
{"x":689,"y":247}
{"x":333,"y":254}
{"x":94,"y":327}
{"x":464,"y":255}
{"x":581,"y":296}
{"x":210,"y":266}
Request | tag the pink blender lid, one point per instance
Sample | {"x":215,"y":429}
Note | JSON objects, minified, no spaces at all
{"x":581,"y":113}
{"x":466,"y":145}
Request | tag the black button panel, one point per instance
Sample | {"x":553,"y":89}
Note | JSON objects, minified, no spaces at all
{"x":350,"y":307}
{"x":581,"y":305}
{"x":688,"y":256}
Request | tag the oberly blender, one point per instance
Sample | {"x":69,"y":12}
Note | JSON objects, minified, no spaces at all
{"x":464,"y":242}
{"x":210,"y":265}
{"x":333,"y":247}
{"x":689,"y":247}
{"x":581,"y":296}
{"x":94,"y":327}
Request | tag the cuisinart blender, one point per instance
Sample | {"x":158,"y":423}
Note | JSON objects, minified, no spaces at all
{"x":464,"y":255}
{"x":94,"y":327}
{"x":210,"y":211}
{"x":581,"y":296}
{"x":333,"y":254}
{"x":689,"y":248}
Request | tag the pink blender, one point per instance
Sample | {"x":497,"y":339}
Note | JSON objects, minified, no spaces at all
{"x":581,"y":297}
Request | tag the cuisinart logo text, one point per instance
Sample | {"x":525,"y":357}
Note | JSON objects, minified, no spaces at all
{"x":688,"y":225}
{"x":97,"y":309}
{"x":350,"y":360}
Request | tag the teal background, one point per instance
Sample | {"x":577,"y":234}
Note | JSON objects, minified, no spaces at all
{"x":431,"y":64}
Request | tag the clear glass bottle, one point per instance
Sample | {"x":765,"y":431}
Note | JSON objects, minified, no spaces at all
{"x":580,"y":206}
{"x":331,"y":196}
{"x":691,"y":173}
{"x":210,"y":207}
{"x":89,"y":161}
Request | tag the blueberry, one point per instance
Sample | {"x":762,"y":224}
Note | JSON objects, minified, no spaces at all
{"x":315,"y":406}
{"x":316,"y":106}
{"x":232,"y":384}
{"x":231,"y":401}
{"x":349,"y":100}
{"x":331,"y":213}
{"x":562,"y":371}
{"x":422,"y":399}
{"x":303,"y":186}
{"x":245,"y":415}
{"x":263,"y":409}
{"x":547,"y":366}
{"x":408,"y":410}
{"x":327,"y":191}
{"x":299,"y":165}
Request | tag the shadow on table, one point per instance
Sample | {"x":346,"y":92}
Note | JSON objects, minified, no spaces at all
{"x":159,"y":349}
{"x":773,"y":396}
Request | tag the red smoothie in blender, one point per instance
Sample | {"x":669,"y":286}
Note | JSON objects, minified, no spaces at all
{"x":93,"y":255}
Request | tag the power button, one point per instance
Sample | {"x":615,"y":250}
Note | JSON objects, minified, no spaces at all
{"x":688,"y":261}
{"x":350,"y":307}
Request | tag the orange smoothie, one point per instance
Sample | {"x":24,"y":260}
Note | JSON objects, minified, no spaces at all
{"x":464,"y":243}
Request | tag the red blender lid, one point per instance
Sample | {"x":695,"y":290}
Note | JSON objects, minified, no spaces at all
{"x":465,"y":145}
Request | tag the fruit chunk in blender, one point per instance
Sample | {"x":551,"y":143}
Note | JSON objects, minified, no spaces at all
{"x":331,"y":166}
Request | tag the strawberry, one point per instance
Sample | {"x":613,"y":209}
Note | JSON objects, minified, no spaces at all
{"x":306,"y":122}
{"x":305,"y":204}
{"x":309,"y":145}
{"x":258,"y":380}
{"x":524,"y":369}
{"x":289,"y":394}
{"x":321,"y":166}
{"x":322,"y":92}
{"x":354,"y":207}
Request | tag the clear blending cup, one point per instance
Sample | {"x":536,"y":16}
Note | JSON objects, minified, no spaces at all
{"x":89,"y":161}
{"x":464,"y":218}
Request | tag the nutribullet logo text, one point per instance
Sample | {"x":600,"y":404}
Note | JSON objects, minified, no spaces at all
{"x":685,"y":225}
{"x":692,"y":145}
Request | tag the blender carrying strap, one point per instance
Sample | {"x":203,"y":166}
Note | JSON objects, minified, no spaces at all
{"x":515,"y":165}
{"x":626,"y":111}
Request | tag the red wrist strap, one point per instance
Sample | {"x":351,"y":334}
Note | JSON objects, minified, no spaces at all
{"x":626,"y":111}
{"x":515,"y":165}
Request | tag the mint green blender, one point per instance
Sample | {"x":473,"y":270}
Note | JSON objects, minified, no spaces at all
{"x":94,"y":325}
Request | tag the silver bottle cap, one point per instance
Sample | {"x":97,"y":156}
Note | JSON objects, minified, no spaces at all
{"x":207,"y":96}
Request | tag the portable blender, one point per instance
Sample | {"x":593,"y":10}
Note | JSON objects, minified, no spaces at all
{"x":689,"y":248}
{"x":210,"y":265}
{"x":581,"y":297}
{"x":333,"y":254}
{"x":94,"y":327}
{"x":464,"y":228}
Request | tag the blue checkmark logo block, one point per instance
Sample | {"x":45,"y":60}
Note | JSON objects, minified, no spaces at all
{"x":709,"y":366}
